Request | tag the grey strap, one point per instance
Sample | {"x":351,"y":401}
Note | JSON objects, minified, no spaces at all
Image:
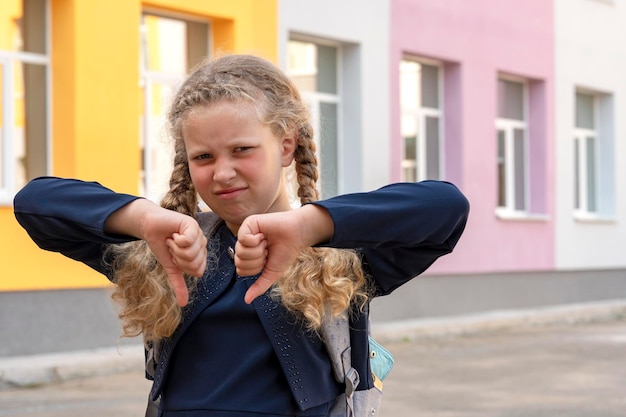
{"x":336,"y":334}
{"x":152,"y":409}
{"x":208,"y":221}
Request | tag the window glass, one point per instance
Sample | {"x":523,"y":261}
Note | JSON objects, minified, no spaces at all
{"x":519,"y":163}
{"x":302,"y":64}
{"x":420,"y":120}
{"x":577,"y":178}
{"x":313,"y":67}
{"x":510,"y":100}
{"x":32,"y":107}
{"x":165,"y":43}
{"x":328,"y":141}
{"x":419,"y":85}
{"x":501,"y":169}
{"x":410,"y":84}
{"x":3,"y":145}
{"x":409,"y":135}
{"x":430,"y":86}
{"x":432,"y":147}
{"x":585,"y":111}
{"x":27,"y":27}
{"x":591,"y":174}
{"x":327,"y":69}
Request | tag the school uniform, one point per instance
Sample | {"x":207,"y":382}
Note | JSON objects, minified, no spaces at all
{"x":230,"y":359}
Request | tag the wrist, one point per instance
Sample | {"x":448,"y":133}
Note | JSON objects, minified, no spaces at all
{"x":317,"y":225}
{"x":129,"y":219}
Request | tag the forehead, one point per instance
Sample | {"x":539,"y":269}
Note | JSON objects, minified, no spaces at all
{"x":223,"y":121}
{"x":221,"y":117}
{"x":243,"y":110}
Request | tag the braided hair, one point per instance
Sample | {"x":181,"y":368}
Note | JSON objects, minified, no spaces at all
{"x":322,"y":281}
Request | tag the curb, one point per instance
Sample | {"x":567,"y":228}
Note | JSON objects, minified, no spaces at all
{"x":37,"y":370}
{"x":494,"y":321}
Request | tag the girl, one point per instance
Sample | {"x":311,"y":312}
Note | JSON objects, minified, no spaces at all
{"x":239,"y":308}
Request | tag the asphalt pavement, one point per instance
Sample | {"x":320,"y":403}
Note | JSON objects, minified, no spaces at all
{"x":553,"y":369}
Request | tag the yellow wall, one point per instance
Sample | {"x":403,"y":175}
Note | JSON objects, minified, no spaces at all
{"x":248,"y":26}
{"x":96,"y":108}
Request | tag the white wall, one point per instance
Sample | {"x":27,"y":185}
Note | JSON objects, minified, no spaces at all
{"x":590,"y":53}
{"x":362,"y":26}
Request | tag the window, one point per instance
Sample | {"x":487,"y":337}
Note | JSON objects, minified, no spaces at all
{"x":512,"y":148}
{"x":314,"y":69}
{"x":24,"y":93}
{"x":420,"y":102}
{"x":169,"y":48}
{"x":594,"y":155}
{"x":585,"y":154}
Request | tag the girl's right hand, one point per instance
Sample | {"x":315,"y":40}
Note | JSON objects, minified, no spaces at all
{"x":175,"y":239}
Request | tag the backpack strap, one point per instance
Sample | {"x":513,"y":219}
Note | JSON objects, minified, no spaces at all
{"x":208,"y":221}
{"x":335,"y":332}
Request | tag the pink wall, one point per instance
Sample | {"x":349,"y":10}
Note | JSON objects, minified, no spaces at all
{"x":476,"y":40}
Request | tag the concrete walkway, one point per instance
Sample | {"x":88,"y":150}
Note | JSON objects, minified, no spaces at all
{"x":568,"y":361}
{"x":555,"y":371}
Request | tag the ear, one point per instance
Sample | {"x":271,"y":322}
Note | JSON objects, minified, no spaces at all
{"x":288,"y":148}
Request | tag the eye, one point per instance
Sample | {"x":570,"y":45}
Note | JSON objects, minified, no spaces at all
{"x":242,"y":148}
{"x":203,"y":156}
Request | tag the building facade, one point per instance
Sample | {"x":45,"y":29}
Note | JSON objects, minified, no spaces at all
{"x":590,"y":135}
{"x":84,"y":87}
{"x":517,"y":103}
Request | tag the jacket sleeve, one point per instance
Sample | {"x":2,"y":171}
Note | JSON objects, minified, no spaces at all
{"x":401,"y":229}
{"x":68,"y":216}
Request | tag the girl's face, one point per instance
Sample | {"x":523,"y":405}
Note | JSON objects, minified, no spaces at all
{"x":236,"y":163}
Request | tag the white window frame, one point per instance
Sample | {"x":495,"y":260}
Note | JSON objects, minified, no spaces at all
{"x":508,"y":126}
{"x":314,"y":99}
{"x":149,"y":140}
{"x":7,"y":61}
{"x":581,"y":136}
{"x":421,"y":113}
{"x":151,"y":137}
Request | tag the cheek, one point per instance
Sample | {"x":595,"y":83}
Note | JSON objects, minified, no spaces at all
{"x":251,"y":170}
{"x":200,"y":178}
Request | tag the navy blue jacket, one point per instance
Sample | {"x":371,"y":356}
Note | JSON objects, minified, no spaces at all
{"x":400,"y":230}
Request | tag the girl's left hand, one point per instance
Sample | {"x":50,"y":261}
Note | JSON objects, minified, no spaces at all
{"x":271,"y":243}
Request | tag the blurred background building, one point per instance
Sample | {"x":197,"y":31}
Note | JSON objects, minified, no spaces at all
{"x":517,"y":103}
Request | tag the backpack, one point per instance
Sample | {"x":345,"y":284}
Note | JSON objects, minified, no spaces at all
{"x":335,"y":333}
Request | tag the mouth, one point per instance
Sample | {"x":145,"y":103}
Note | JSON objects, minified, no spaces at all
{"x":230,"y":193}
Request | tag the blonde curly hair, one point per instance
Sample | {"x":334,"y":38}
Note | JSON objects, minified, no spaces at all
{"x":322,"y":281}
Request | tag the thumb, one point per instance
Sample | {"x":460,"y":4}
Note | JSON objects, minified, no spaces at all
{"x":262,"y":284}
{"x":178,"y":285}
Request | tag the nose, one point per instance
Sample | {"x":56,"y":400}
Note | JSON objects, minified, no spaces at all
{"x":224,"y":171}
